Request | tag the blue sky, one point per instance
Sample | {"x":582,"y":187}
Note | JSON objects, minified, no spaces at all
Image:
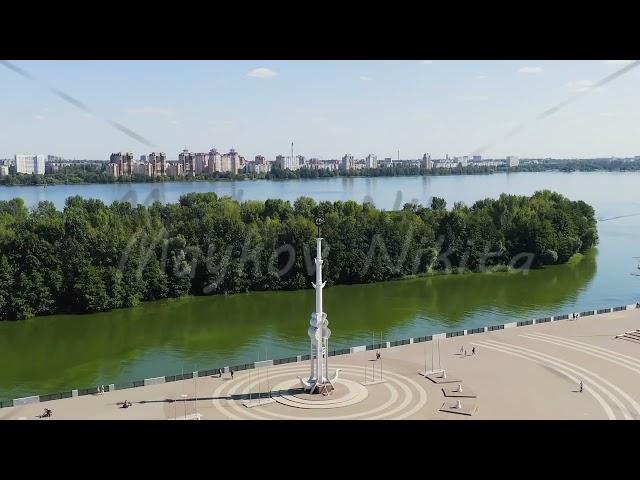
{"x":328,"y":108}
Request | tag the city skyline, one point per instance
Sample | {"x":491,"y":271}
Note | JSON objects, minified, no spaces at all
{"x":327,"y":108}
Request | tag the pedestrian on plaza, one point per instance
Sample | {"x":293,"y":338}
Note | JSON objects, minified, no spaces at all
{"x":378,"y":356}
{"x":461,"y":349}
{"x":581,"y":386}
{"x":473,"y":351}
{"x":465,"y":352}
{"x":231,"y":372}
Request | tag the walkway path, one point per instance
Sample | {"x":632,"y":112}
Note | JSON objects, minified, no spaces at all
{"x":529,"y":372}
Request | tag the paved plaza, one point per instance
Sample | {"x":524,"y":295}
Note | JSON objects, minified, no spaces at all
{"x":530,"y":372}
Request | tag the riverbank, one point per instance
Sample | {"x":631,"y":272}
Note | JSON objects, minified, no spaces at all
{"x":101,"y":177}
{"x":526,"y":372}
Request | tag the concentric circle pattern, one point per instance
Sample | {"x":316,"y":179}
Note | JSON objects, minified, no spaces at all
{"x":397,"y":397}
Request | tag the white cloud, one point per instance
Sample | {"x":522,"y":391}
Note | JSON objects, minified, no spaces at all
{"x":37,"y":116}
{"x":262,"y":72}
{"x":579,"y":85}
{"x":150,"y":111}
{"x":364,"y":78}
{"x":473,"y":98}
{"x":530,"y":70}
{"x":618,"y":62}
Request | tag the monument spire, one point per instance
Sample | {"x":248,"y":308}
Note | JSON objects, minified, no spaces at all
{"x":319,"y":333}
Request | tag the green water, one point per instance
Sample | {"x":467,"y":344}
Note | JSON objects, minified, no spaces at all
{"x":58,"y":353}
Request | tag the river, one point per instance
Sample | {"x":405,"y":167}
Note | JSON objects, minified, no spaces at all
{"x":61,"y":352}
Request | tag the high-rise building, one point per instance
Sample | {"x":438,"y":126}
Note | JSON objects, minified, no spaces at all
{"x":187,"y":163}
{"x":158,"y":162}
{"x":371,"y":161}
{"x":143,"y":168}
{"x":257,"y":167}
{"x":234,"y":162}
{"x":201,"y":162}
{"x":30,"y":164}
{"x":427,"y":162}
{"x":124,"y":162}
{"x":4,"y":170}
{"x":287,"y":163}
{"x":225,"y":163}
{"x":174,"y":169}
{"x":348,"y":163}
{"x":260,"y":160}
{"x":143,"y":158}
{"x":113,"y":169}
{"x":477,"y":158}
{"x":214,"y":163}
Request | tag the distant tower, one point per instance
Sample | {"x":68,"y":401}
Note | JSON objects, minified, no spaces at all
{"x":292,"y":151}
{"x":398,"y":154}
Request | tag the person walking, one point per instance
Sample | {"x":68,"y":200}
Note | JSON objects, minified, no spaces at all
{"x":231,"y":372}
{"x":473,"y":351}
{"x":581,"y":386}
{"x":378,"y":356}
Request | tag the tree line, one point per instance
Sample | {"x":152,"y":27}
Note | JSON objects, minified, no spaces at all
{"x":91,"y":257}
{"x":91,"y":173}
{"x":581,"y":165}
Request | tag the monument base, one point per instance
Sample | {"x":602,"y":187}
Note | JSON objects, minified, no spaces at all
{"x":321,"y":389}
{"x":324,"y":387}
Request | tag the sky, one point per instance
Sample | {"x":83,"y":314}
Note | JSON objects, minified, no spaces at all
{"x":327,"y":108}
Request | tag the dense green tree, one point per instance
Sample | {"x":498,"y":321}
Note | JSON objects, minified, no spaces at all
{"x":438,"y":203}
{"x":93,"y":257}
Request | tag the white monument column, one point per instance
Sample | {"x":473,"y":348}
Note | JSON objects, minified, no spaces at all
{"x":319,"y":334}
